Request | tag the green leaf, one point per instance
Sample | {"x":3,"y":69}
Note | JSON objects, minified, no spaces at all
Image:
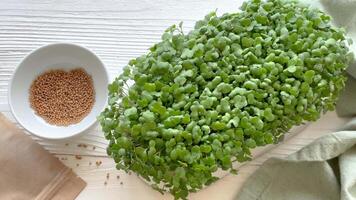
{"x":197,"y":102}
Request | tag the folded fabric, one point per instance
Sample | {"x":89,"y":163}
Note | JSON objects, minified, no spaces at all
{"x":27,"y":171}
{"x":346,"y":105}
{"x":323,"y":170}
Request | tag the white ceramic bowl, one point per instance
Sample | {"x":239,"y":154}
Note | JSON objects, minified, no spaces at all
{"x":55,"y":56}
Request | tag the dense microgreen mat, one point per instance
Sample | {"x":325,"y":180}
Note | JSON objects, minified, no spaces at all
{"x":199,"y":101}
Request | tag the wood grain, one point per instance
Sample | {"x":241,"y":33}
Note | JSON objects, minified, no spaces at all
{"x":117,"y":31}
{"x":225,"y":188}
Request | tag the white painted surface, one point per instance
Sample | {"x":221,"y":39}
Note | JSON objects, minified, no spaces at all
{"x":117,"y":30}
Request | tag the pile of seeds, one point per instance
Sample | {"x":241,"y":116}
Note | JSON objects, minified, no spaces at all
{"x":62,"y":97}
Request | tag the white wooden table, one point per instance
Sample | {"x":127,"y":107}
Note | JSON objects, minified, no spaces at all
{"x":117,"y":30}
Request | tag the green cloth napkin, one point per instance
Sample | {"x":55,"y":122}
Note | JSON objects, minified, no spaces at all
{"x":323,"y":170}
{"x":326,"y":168}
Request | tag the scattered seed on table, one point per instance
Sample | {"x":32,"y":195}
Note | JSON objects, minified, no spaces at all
{"x":89,"y":163}
{"x":82,"y":145}
{"x":121,"y":183}
{"x":98,"y":163}
{"x":78,"y":157}
{"x":94,"y":147}
{"x":129,"y":173}
{"x":118,"y":177}
{"x":107,"y":176}
{"x":66,"y":144}
{"x":77,"y":164}
{"x":105,"y":183}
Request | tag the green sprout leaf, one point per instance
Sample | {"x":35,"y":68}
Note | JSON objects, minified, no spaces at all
{"x":197,"y":102}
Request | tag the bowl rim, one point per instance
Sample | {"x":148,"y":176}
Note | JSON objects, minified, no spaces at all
{"x":76,"y":133}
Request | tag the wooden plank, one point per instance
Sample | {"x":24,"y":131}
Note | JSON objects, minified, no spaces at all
{"x":225,"y":188}
{"x":93,"y":143}
{"x":117,"y":31}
